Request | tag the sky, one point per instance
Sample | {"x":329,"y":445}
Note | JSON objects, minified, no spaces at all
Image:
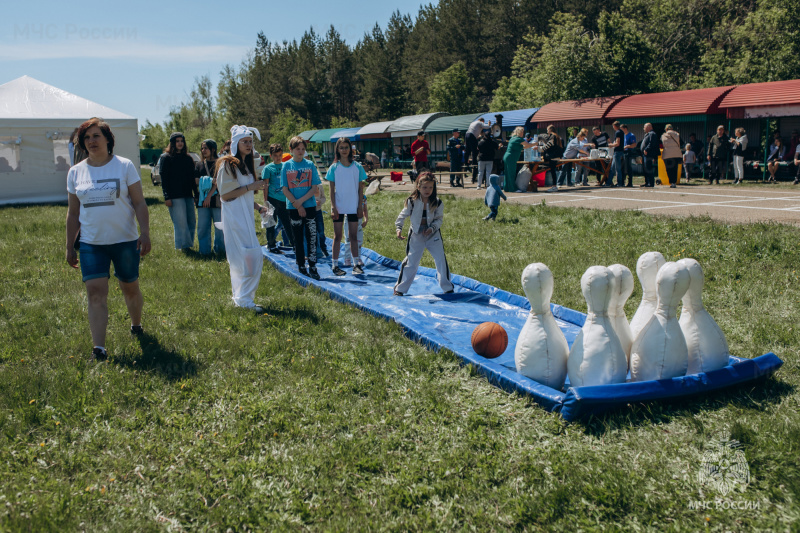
{"x":141,"y":58}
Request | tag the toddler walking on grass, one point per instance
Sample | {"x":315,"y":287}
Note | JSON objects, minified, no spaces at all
{"x":493,"y":195}
{"x":426,"y":212}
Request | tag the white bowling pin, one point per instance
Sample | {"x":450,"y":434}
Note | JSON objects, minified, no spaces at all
{"x":659,"y":351}
{"x":597,"y":357}
{"x":616,"y":309}
{"x":708,"y":349}
{"x":647,"y":268}
{"x":542,"y":350}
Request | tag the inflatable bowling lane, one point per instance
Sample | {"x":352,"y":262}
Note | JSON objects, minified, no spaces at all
{"x":446,"y":321}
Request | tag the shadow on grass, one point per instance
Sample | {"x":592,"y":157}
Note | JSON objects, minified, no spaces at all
{"x":150,"y":200}
{"x":170,"y":364}
{"x":212,"y":257}
{"x":759,"y":397}
{"x":293,"y":314}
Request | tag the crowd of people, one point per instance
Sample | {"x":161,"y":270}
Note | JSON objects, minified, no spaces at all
{"x":710,"y":160}
{"x":214,"y":198}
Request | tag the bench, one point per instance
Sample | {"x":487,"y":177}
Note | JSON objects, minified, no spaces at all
{"x":757,"y":170}
{"x":443,"y":167}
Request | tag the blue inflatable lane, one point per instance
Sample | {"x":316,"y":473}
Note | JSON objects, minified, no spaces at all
{"x":440,"y":320}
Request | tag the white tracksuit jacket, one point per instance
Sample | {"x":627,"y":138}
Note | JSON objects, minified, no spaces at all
{"x":418,"y":242}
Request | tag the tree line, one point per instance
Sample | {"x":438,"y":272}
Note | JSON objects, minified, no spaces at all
{"x":463,"y":56}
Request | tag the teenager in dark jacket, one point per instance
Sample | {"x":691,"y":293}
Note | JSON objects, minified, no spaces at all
{"x":179,"y":186}
{"x":487,"y":147}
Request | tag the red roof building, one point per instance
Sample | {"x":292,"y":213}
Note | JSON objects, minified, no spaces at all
{"x":669,"y":106}
{"x":757,"y":100}
{"x":586,"y":112}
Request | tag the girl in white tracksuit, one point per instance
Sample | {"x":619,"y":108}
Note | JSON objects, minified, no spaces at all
{"x":425,"y":211}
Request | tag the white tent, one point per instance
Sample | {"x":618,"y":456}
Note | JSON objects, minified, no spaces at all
{"x":36,"y":121}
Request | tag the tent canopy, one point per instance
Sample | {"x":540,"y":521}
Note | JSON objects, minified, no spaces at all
{"x":511,"y":119}
{"x":376,"y":130}
{"x":409,"y":126}
{"x":36,"y":123}
{"x":350,"y":133}
{"x":574,"y":112}
{"x":306,"y":135}
{"x":28,"y":98}
{"x":324,"y":136}
{"x":770,"y":99}
{"x":448,"y":123}
{"x":670,"y":104}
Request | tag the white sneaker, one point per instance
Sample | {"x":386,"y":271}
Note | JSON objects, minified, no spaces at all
{"x":554,"y":188}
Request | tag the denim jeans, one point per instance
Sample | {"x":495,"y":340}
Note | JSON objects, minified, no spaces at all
{"x":628,"y":166}
{"x":484,"y":171}
{"x":617,"y":167}
{"x":183,"y":221}
{"x":206,"y":216}
{"x":565,"y":175}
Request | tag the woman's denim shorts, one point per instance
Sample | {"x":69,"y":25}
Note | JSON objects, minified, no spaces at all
{"x":96,"y":259}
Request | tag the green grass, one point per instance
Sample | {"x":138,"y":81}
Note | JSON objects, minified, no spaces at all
{"x":318,"y":416}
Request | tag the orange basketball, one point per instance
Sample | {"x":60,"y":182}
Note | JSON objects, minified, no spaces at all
{"x":489,"y":340}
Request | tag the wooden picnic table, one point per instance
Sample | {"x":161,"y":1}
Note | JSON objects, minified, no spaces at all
{"x":585,"y":162}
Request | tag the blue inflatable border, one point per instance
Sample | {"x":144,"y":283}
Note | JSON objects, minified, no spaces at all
{"x":576,"y":402}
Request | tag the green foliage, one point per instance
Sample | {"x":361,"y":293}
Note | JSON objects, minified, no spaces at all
{"x":453,"y":91}
{"x":317,"y":416}
{"x":155,"y":136}
{"x":286,"y":125}
{"x":342,"y":122}
{"x":763,"y":45}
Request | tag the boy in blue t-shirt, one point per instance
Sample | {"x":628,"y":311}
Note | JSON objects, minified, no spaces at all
{"x":274,"y":195}
{"x":299,"y":180}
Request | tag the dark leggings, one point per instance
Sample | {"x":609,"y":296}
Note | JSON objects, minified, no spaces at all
{"x":307,"y":224}
{"x":282,"y":214}
{"x":671,"y":166}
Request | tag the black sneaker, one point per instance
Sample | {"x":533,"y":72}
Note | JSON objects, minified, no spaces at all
{"x":137,"y":330}
{"x":99,"y":354}
{"x":302,"y":270}
{"x":312,"y":273}
{"x":276,"y":251}
{"x":338,"y":271}
{"x":358,"y":270}
{"x":397,"y":293}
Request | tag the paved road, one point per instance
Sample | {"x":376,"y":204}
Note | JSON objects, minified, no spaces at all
{"x":725,"y":203}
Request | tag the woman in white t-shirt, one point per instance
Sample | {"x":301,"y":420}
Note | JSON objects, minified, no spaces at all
{"x":347,"y":191}
{"x":105,"y":201}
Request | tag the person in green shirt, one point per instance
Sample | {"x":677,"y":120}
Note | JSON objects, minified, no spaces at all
{"x":515,"y":146}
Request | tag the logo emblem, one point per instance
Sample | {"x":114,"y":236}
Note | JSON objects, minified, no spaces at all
{"x":724,"y":467}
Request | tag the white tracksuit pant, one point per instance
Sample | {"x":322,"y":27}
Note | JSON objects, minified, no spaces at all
{"x":415,"y":247}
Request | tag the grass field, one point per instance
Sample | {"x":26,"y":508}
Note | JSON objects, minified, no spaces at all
{"x":317,"y":416}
